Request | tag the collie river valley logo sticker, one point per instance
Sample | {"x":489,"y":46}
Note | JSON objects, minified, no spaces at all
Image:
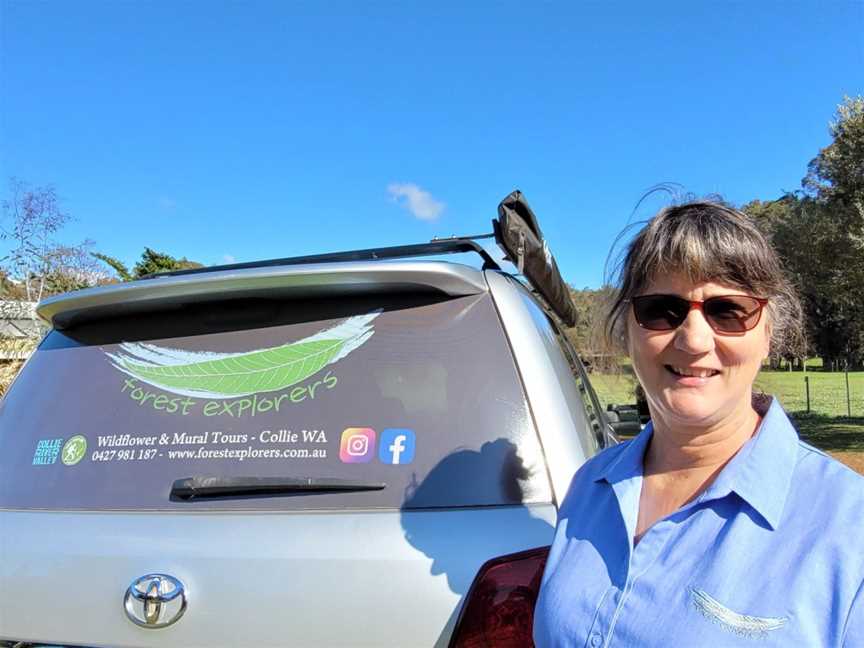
{"x":237,"y":384}
{"x":74,"y":450}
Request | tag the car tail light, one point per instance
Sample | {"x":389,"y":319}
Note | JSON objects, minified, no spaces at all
{"x":499,"y":608}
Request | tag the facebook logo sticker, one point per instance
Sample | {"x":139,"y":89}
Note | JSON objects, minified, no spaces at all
{"x":397,"y":446}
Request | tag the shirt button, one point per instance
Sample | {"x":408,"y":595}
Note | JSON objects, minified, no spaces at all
{"x":596,"y":640}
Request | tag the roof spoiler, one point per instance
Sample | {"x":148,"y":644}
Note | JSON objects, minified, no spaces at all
{"x":518,"y":233}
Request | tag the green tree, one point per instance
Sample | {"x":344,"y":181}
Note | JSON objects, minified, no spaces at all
{"x":835,"y":182}
{"x":589,"y":303}
{"x":116,"y":264}
{"x":819,"y":234}
{"x":836,"y":175}
{"x":770,"y":214}
{"x":152,"y":262}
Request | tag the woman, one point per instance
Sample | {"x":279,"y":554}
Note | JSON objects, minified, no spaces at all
{"x":715,"y":526}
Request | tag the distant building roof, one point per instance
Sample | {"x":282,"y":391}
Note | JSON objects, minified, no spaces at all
{"x":18,"y":320}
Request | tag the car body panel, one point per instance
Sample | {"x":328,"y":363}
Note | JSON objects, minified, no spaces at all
{"x":291,"y":579}
{"x":553,"y":394}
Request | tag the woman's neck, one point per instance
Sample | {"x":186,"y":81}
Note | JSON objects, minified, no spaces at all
{"x":680,"y":463}
{"x":679,"y":449}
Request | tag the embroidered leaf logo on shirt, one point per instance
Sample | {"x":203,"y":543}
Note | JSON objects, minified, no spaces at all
{"x":229,"y":375}
{"x":743,"y":625}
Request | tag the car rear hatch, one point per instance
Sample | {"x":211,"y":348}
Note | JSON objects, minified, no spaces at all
{"x":322,"y":465}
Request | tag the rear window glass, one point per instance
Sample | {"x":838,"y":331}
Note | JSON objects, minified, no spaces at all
{"x":416,"y":393}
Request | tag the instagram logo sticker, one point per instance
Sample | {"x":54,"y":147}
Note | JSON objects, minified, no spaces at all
{"x":358,"y":445}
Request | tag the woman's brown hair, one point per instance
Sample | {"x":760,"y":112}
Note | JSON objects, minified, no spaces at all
{"x":705,"y":240}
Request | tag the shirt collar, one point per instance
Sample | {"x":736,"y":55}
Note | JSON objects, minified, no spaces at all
{"x":760,"y":473}
{"x":627,"y":463}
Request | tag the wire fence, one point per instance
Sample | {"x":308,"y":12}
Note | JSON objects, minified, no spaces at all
{"x":818,"y":392}
{"x":824,"y":393}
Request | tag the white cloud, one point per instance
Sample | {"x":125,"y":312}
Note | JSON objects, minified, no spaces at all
{"x":417,"y":201}
{"x":228,"y":258}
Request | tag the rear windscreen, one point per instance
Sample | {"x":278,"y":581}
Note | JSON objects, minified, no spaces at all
{"x":413,"y":397}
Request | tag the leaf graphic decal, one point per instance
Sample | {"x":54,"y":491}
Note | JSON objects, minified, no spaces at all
{"x":229,"y":375}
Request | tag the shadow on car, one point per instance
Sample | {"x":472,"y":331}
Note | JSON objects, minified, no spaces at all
{"x":448,"y":545}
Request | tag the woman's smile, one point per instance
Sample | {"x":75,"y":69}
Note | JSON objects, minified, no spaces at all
{"x":691,"y":376}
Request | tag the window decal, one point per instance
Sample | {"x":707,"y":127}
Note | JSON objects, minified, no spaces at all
{"x":231,"y":375}
{"x":397,"y":446}
{"x":358,"y":445}
{"x":138,"y":400}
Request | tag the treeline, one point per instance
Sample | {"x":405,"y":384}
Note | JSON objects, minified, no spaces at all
{"x":818,"y":232}
{"x":84,"y":273}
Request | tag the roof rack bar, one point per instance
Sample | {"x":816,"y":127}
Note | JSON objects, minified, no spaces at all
{"x":464,"y":238}
{"x":453,"y":245}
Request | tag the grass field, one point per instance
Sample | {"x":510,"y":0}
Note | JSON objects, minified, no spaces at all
{"x":827,"y":426}
{"x":827,"y":390}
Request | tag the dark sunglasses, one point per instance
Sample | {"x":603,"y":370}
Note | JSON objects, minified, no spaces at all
{"x":724,"y":313}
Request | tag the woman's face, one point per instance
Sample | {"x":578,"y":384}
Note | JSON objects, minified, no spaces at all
{"x":721,"y":367}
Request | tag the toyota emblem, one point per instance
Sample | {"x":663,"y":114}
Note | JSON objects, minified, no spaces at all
{"x":155,"y":601}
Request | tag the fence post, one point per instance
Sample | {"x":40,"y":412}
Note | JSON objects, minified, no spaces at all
{"x":807,"y":389}
{"x":848,"y":400}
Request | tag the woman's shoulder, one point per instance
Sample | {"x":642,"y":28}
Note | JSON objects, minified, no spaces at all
{"x":825,"y":504}
{"x":819,"y":472}
{"x":818,"y":479}
{"x":601,"y":462}
{"x":818,"y":457}
{"x":608,"y":464}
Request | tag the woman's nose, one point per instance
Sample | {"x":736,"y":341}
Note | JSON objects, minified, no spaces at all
{"x":695,"y":335}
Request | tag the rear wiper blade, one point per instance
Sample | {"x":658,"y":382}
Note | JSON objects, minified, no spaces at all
{"x":202,"y":487}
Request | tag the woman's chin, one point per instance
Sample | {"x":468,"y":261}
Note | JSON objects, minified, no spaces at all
{"x":689,"y":411}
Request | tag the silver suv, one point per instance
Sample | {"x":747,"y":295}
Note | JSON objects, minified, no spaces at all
{"x":359,"y":449}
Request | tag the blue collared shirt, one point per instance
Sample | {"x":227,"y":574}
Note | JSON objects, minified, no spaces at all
{"x":770,"y":554}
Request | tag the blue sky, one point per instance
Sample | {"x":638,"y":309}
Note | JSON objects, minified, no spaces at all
{"x":248,"y":130}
